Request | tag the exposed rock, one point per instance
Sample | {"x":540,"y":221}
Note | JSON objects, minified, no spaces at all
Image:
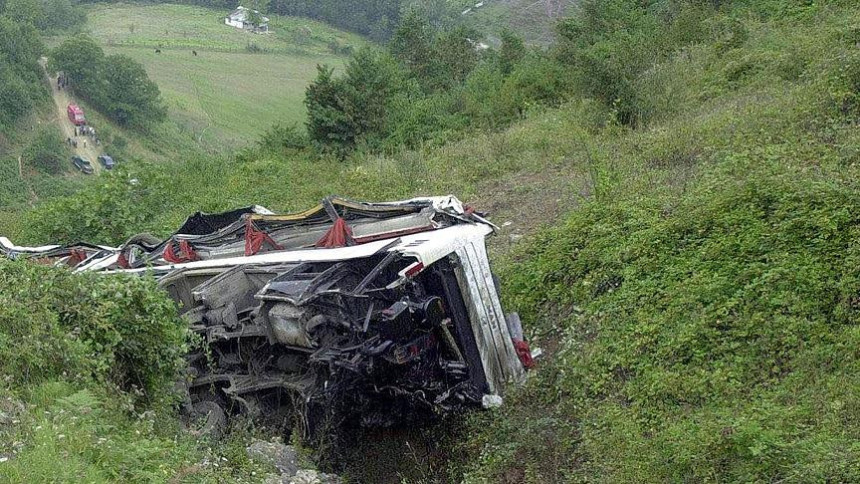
{"x":10,"y":411}
{"x":314,"y":477}
{"x":305,"y":476}
{"x":283,"y":457}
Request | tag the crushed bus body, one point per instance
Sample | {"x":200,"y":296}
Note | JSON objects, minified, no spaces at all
{"x":364,"y":310}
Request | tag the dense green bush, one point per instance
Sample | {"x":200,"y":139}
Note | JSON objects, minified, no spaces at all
{"x":57,"y":325}
{"x":46,"y":152}
{"x":21,"y":86}
{"x":280,"y":137}
{"x":116,"y":84}
{"x":430,"y":86}
{"x":107,"y":213}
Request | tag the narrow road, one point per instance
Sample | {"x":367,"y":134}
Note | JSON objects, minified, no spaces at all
{"x":62,"y":99}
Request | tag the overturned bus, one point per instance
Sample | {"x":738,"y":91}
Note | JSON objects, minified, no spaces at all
{"x":347,"y":310}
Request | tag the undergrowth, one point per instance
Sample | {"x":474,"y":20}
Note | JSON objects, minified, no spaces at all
{"x":699,"y":308}
{"x":87,"y":370}
{"x":702,"y":310}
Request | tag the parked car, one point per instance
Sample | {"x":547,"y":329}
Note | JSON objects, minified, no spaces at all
{"x":107,"y":162}
{"x":83,"y":164}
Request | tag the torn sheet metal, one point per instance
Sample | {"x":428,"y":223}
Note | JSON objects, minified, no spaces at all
{"x":405,"y":315}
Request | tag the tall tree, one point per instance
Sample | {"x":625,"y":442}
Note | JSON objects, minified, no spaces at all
{"x":81,"y":59}
{"x":21,"y":83}
{"x":131,"y":97}
{"x":15,"y":97}
{"x":412,"y":44}
{"x":28,"y":11}
{"x":511,"y":52}
{"x":372,"y":81}
{"x":61,"y":14}
{"x":454,"y":57}
{"x":116,"y":85}
{"x":328,"y":122}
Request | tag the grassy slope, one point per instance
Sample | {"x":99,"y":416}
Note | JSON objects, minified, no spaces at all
{"x":228,"y":99}
{"x":702,"y":309}
{"x":224,"y":96}
{"x":700,"y":305}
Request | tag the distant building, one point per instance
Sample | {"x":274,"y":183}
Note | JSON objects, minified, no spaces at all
{"x":242,"y":18}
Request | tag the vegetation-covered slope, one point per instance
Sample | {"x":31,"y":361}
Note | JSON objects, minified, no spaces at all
{"x":534,"y":21}
{"x":239,"y":83}
{"x":703,"y":307}
{"x":698,"y":305}
{"x":88,"y":364}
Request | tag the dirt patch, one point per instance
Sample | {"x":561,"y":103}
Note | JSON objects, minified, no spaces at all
{"x":522,"y":203}
{"x":62,"y":98}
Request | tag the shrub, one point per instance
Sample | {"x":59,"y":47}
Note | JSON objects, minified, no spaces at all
{"x":280,"y":137}
{"x":114,"y":329}
{"x":110,"y":213}
{"x":46,"y":152}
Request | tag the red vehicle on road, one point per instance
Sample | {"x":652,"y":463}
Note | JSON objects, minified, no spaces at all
{"x":76,"y":115}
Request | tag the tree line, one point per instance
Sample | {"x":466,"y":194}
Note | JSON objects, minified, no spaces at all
{"x":44,"y":14}
{"x":116,"y":85}
{"x":435,"y":80}
{"x":21,"y":84}
{"x":429,"y":84}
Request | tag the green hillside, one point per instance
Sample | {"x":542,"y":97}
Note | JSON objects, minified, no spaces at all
{"x":534,"y":21}
{"x":681,"y":237}
{"x":239,"y":83}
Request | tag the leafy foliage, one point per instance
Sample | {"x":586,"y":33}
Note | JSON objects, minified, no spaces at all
{"x":46,"y":152}
{"x":431,"y":85}
{"x":21,"y":85}
{"x":44,"y":14}
{"x":328,"y":121}
{"x":115,"y":84}
{"x":120,"y":330}
{"x":108,"y":213}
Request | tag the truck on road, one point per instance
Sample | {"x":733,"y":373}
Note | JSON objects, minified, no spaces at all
{"x":76,"y":115}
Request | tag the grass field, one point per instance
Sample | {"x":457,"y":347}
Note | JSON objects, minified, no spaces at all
{"x":225,"y":96}
{"x":182,"y":26}
{"x":228,"y":99}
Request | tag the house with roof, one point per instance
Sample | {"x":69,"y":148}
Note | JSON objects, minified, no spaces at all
{"x":247,"y":19}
